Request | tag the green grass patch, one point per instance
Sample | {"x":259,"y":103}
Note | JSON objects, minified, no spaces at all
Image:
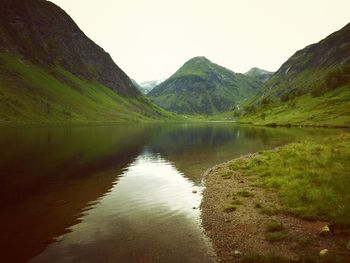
{"x":269,"y":210}
{"x":274,"y":226}
{"x":275,"y":236}
{"x":312,"y":177}
{"x":275,"y":231}
{"x":266,"y":210}
{"x":272,"y":258}
{"x":230,"y":208}
{"x":236,"y":201}
{"x":245,"y":193}
{"x":227,"y":175}
{"x":239,"y":164}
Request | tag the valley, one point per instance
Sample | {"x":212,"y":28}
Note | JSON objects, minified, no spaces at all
{"x":224,"y":160}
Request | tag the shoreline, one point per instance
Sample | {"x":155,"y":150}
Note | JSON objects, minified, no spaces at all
{"x":239,"y":234}
{"x":294,"y":125}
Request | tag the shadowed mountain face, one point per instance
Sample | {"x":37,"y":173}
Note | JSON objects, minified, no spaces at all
{"x":316,"y":79}
{"x":331,"y":51}
{"x":44,"y":34}
{"x":51,"y":71}
{"x":203,"y":87}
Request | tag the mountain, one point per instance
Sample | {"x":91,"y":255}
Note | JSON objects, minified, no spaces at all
{"x":51,"y":71}
{"x":312,"y":87}
{"x":146,"y":86}
{"x":259,"y":74}
{"x":202,"y":87}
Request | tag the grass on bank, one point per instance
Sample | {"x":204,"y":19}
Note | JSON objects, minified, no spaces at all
{"x":275,"y":231}
{"x":272,"y":258}
{"x":311,"y":177}
{"x":330,"y":109}
{"x":230,"y":208}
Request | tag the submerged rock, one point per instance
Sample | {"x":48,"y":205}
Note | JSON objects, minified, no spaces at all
{"x":194,"y":192}
{"x":323,"y":252}
{"x":237,"y":253}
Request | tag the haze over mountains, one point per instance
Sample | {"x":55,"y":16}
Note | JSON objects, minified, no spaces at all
{"x":51,"y":71}
{"x":146,"y":86}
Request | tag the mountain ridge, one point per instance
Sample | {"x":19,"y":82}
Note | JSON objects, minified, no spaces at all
{"x":203,"y":87}
{"x":259,"y":74}
{"x":146,"y":86}
{"x":311,"y":87}
{"x":51,"y":71}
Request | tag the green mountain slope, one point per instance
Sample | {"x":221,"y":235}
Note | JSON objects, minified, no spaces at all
{"x":50,"y":71}
{"x":312,"y":87}
{"x":202,"y":87}
{"x":259,"y":74}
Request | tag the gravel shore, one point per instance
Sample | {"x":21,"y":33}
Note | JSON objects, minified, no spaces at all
{"x":241,"y":232}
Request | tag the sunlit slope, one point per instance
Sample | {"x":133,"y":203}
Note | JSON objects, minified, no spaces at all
{"x":29,"y":93}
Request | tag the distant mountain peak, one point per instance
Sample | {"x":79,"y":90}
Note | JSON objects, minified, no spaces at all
{"x":146,"y":86}
{"x":259,"y":74}
{"x":203,"y":87}
{"x":199,"y":59}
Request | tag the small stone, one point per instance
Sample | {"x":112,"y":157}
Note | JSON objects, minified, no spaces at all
{"x":323,"y":252}
{"x":194,"y":192}
{"x":194,"y":207}
{"x":237,"y":253}
{"x":227,"y":220}
{"x":325,"y":231}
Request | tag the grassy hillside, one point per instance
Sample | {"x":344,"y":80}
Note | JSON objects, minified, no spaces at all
{"x":311,"y":88}
{"x":329,"y":107}
{"x":202,"y":87}
{"x":50,"y":71}
{"x":30,"y":93}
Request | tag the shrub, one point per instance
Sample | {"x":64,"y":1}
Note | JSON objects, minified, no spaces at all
{"x":274,"y":226}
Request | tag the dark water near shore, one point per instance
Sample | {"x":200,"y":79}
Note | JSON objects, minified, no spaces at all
{"x":116,"y":193}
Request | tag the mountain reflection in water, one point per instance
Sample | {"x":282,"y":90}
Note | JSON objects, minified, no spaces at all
{"x":116,"y":193}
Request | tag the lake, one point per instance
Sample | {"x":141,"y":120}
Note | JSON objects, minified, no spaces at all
{"x":121,"y":193}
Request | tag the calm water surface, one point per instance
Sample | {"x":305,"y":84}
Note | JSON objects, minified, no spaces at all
{"x":116,"y":193}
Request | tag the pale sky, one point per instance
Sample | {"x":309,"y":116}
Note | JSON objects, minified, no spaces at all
{"x":151,"y":39}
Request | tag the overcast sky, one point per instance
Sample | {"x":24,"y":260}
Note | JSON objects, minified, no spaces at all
{"x":151,"y":39}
